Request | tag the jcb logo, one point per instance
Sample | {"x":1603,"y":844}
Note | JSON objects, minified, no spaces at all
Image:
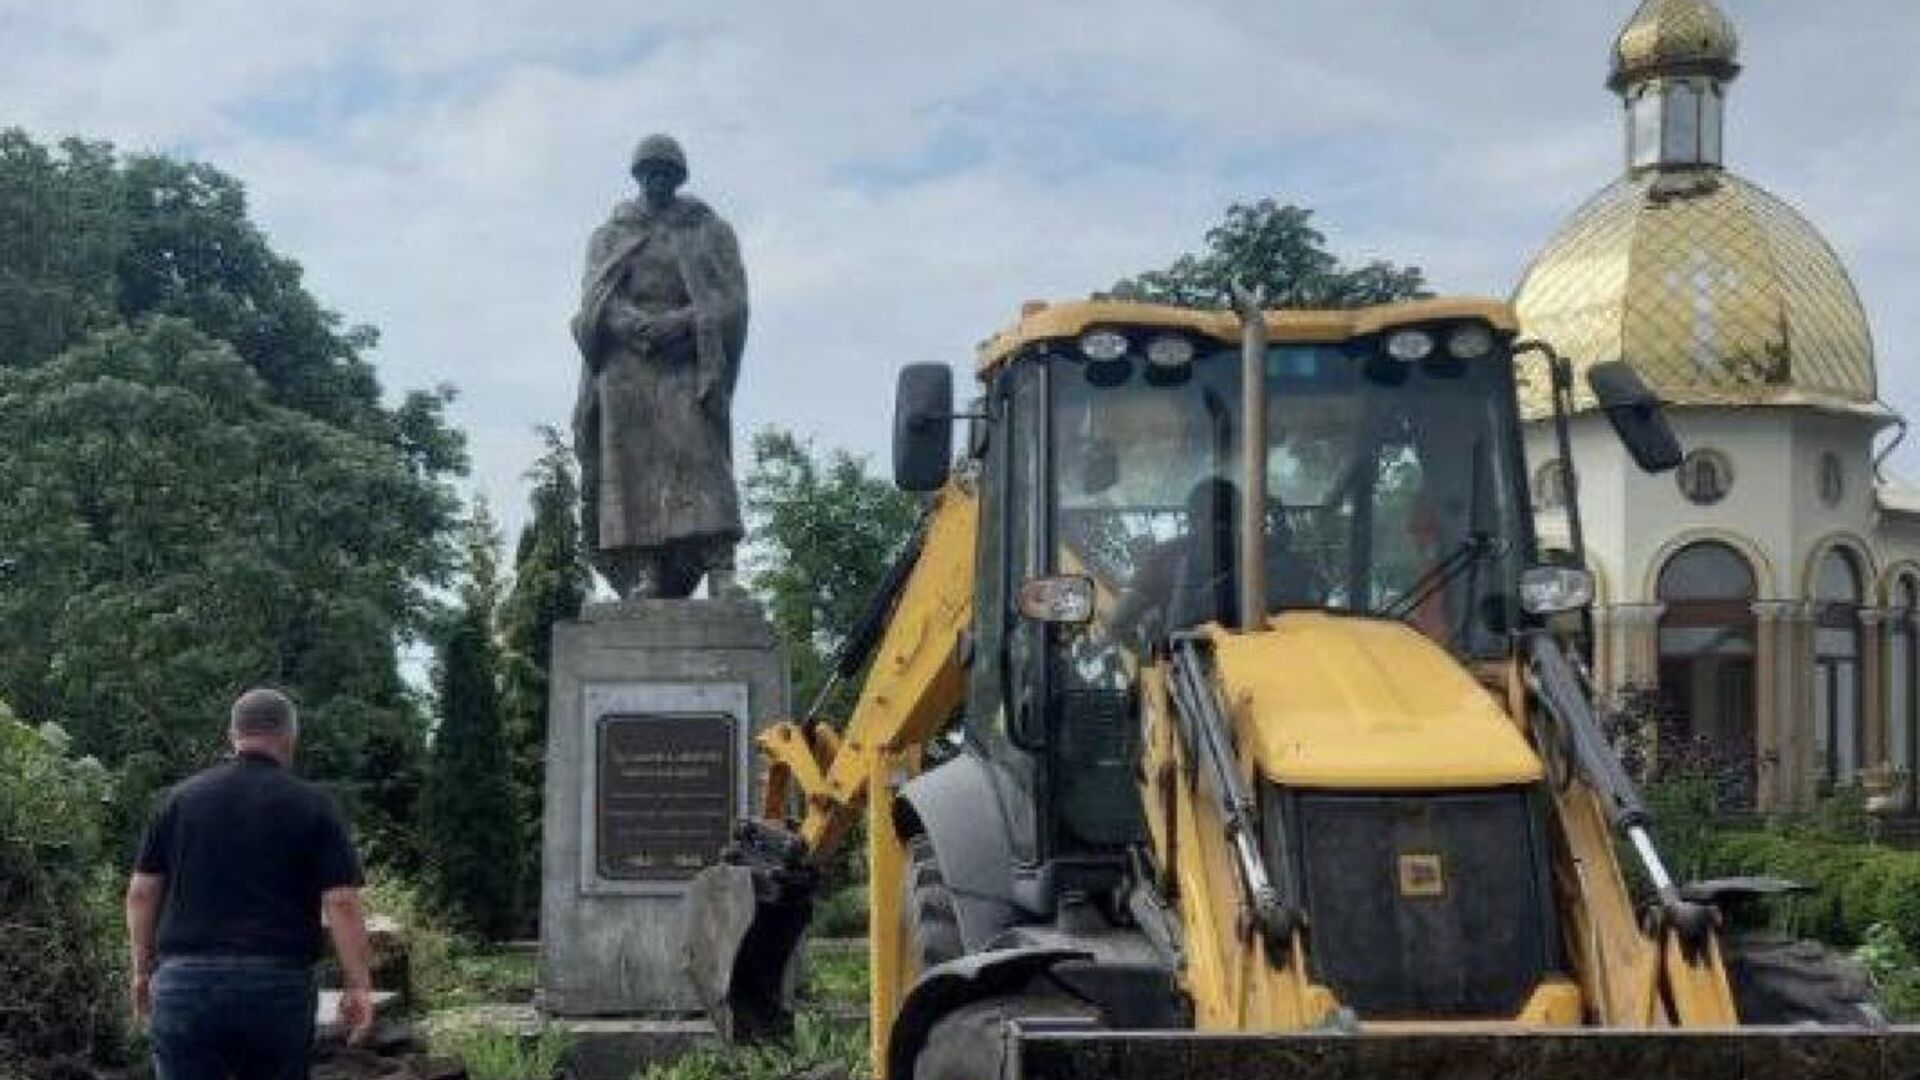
{"x":1422,"y":874}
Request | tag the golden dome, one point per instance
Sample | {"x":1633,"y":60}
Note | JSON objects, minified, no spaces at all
{"x":1717,"y":292}
{"x":1674,"y":35}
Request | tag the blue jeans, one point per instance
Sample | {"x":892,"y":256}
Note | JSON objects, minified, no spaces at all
{"x":239,"y":1017}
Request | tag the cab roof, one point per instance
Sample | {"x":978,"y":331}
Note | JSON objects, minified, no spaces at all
{"x":1040,"y":321}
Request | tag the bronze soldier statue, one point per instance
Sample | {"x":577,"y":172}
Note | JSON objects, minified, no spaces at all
{"x":662,"y":323}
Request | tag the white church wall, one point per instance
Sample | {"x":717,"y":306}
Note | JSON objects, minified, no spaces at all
{"x":1896,"y":543}
{"x":1660,"y":519}
{"x":1819,"y":524}
{"x":1634,"y":521}
{"x":1774,"y":511}
{"x":1600,"y":498}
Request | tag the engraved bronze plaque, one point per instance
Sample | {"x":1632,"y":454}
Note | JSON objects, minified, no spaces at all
{"x":665,"y":799}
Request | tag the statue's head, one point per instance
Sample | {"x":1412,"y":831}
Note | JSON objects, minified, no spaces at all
{"x":660,"y":167}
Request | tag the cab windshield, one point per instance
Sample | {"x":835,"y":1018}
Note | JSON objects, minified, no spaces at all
{"x":1393,"y":490}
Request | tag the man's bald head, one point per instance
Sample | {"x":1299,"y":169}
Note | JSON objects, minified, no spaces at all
{"x":264,"y":718}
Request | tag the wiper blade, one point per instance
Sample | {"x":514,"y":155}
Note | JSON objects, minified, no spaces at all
{"x":1470,"y":551}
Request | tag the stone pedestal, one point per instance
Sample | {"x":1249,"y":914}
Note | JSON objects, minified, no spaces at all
{"x":653,"y":709}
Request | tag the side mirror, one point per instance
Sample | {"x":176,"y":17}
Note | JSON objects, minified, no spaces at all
{"x":1551,"y":590}
{"x":923,"y":427}
{"x":1636,"y":416}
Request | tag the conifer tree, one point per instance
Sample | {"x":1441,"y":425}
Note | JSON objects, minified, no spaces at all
{"x":471,"y":818}
{"x":550,"y":582}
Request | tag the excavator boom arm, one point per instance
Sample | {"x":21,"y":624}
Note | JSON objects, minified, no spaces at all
{"x":912,"y":690}
{"x":747,"y":914}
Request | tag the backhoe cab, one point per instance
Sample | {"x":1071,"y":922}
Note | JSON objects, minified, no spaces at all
{"x":1238,"y":632}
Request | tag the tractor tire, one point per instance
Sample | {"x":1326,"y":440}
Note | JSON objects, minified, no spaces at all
{"x":970,"y":1043}
{"x":1783,"y":981}
{"x":933,"y":926}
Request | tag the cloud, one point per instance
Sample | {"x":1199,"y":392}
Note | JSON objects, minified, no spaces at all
{"x":904,"y":175}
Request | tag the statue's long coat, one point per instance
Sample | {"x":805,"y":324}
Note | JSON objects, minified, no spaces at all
{"x":656,"y":460}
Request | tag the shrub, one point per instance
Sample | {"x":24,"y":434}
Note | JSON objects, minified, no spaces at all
{"x":843,"y":913}
{"x":1685,"y":804}
{"x":61,"y":943}
{"x":1855,"y":886}
{"x":1840,"y":818}
{"x":430,"y":940}
{"x":1897,"y":903}
{"x":1895,"y":971}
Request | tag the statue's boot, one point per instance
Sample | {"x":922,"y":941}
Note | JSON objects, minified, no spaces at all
{"x":633,"y":573}
{"x":674,"y":574}
{"x":617,"y":570}
{"x":724,"y":584}
{"x":723,"y":581}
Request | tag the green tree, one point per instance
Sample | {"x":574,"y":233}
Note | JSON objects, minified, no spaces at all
{"x":1276,"y":247}
{"x":89,"y":240}
{"x":469,"y":814}
{"x":60,"y":945}
{"x":175,"y":536}
{"x":205,"y":487}
{"x":550,"y":583}
{"x":61,"y":234}
{"x":550,"y":574}
{"x":823,"y":531}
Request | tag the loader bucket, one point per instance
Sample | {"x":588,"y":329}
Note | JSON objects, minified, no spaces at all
{"x":744,"y":919}
{"x":1801,"y":1053}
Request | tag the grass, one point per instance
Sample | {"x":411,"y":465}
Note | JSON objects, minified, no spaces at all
{"x":841,"y":913}
{"x":503,"y":1055}
{"x":452,"y":972}
{"x":448,"y":970}
{"x":839,"y":977}
{"x":473,"y":975}
{"x":823,"y":1035}
{"x":818,"y":1040}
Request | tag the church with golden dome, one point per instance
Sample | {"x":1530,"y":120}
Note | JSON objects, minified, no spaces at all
{"x":1762,"y":599}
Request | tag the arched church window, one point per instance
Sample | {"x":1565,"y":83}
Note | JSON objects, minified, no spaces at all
{"x":1550,"y":485}
{"x":1706,"y":642}
{"x":1836,"y":675}
{"x":1903,"y":693}
{"x":1705,"y":477}
{"x":1707,"y":571}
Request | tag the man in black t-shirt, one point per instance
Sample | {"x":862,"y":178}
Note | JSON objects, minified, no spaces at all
{"x":224,"y":910}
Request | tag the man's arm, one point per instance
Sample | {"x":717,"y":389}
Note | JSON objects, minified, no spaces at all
{"x":346,"y":918}
{"x":144,"y":893}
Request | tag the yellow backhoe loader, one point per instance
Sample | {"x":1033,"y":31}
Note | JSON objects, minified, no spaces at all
{"x":1223,"y":718}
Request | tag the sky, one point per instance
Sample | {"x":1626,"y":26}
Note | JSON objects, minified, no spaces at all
{"x":903,"y":175}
